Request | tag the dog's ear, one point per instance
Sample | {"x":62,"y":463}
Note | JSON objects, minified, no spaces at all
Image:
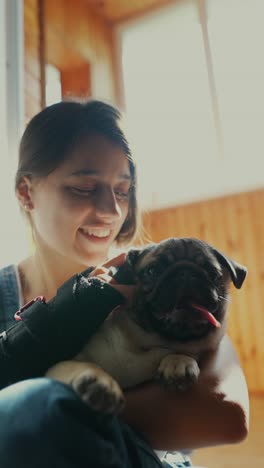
{"x":237,"y":272}
{"x":125,"y":274}
{"x":136,"y":254}
{"x":132,"y":257}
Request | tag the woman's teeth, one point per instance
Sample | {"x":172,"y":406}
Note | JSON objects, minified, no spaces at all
{"x":97,"y":232}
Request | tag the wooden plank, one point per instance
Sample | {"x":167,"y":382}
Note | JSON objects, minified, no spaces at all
{"x":33,"y":4}
{"x":76,"y":81}
{"x":32,"y":58}
{"x":30,"y":15}
{"x":32,"y":85}
{"x":32,"y":65}
{"x":32,"y":105}
{"x":123,"y":10}
{"x":75,"y":35}
{"x":239,"y":327}
{"x":255,"y":243}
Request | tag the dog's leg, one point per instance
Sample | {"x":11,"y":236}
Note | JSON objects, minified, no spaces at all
{"x":140,"y":366}
{"x":178,"y":371}
{"x":94,"y":386}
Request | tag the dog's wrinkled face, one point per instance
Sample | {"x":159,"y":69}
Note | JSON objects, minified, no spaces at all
{"x":182,"y":288}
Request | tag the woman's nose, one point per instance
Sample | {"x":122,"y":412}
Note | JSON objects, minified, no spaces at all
{"x":106,"y":205}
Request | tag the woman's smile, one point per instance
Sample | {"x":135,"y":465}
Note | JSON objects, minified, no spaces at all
{"x":98,"y":235}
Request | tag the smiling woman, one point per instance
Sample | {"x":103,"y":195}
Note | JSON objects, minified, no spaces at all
{"x":76,"y":184}
{"x":74,"y":160}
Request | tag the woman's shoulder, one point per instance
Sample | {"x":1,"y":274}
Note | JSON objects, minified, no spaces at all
{"x":9,"y":295}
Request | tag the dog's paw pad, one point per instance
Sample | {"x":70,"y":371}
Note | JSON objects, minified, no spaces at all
{"x":102,"y":394}
{"x":178,"y":372}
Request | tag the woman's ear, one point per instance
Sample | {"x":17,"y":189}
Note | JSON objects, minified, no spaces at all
{"x":24,"y":193}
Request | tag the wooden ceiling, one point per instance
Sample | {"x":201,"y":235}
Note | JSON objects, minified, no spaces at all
{"x":117,"y":11}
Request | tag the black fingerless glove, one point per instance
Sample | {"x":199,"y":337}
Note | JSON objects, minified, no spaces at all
{"x":57,"y":330}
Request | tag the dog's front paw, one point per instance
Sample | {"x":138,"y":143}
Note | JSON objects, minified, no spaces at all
{"x":99,"y":390}
{"x":178,"y":371}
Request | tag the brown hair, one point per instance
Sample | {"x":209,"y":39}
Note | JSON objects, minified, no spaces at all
{"x":52,"y":134}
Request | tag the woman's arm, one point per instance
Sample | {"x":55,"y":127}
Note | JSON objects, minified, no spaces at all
{"x":57,"y":330}
{"x":214,"y":411}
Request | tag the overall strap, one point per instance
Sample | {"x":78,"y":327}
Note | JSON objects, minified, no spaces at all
{"x":9,"y":296}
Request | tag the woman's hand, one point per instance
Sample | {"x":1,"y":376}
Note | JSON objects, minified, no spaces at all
{"x":214,"y":411}
{"x":49,"y":332}
{"x":104,"y":273}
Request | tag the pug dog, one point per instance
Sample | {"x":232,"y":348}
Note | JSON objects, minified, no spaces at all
{"x":178,"y":313}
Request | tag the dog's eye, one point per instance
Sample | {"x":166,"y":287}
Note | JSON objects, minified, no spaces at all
{"x":217,"y":276}
{"x":151,"y":271}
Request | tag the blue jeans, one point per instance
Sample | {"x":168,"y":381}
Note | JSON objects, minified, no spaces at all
{"x":44,"y":424}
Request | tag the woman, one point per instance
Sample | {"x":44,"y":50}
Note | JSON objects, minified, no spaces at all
{"x":76,"y":183}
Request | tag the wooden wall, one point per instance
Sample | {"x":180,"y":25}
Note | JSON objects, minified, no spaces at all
{"x":76,"y":80}
{"x":235,"y":225}
{"x":75,"y":36}
{"x":33,"y":58}
{"x":77,"y":41}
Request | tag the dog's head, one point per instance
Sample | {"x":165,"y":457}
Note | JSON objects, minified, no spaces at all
{"x":182,"y":287}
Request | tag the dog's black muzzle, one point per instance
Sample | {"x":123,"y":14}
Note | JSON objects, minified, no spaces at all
{"x":182,"y":283}
{"x":168,"y":306}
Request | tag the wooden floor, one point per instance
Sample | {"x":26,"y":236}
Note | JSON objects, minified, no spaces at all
{"x":248,"y":454}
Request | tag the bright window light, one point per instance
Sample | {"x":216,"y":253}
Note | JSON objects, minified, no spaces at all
{"x":169,"y":103}
{"x":236,"y":35}
{"x":53,"y":84}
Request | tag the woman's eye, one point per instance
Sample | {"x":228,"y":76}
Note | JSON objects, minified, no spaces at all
{"x":88,"y":191}
{"x":82,"y":191}
{"x":121,"y":195}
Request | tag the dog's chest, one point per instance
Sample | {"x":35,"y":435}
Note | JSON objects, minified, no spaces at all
{"x":132,"y":355}
{"x":124,"y":350}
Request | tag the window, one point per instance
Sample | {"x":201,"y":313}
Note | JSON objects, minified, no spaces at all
{"x":194,"y":99}
{"x":236,"y":36}
{"x":53,"y":84}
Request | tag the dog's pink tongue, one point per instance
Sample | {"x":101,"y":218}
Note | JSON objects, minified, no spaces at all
{"x":206,"y":314}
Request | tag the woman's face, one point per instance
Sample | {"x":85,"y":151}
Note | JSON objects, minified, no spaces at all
{"x":79,"y":209}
